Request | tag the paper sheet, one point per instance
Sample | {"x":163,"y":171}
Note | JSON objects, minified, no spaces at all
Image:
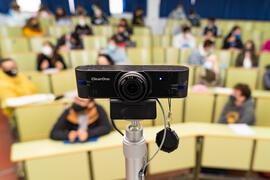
{"x":242,"y":129}
{"x":23,"y":100}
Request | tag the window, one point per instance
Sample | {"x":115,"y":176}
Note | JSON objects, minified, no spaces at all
{"x":116,"y":6}
{"x":29,"y":5}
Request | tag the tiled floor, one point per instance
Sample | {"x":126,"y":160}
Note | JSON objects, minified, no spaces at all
{"x":7,"y":170}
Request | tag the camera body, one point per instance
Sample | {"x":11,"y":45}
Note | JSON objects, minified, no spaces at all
{"x":132,"y":88}
{"x":132,"y":83}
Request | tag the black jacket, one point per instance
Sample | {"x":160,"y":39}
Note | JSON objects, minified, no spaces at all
{"x":238,"y":44}
{"x":83,"y":30}
{"x":62,"y":127}
{"x":41,"y":57}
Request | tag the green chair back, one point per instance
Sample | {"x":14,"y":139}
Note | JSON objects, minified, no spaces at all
{"x":158,"y":55}
{"x":139,"y":56}
{"x":27,"y":62}
{"x":82,"y":57}
{"x":141,"y":31}
{"x":172,"y":56}
{"x":41,"y":82}
{"x":14,"y":44}
{"x":63,"y":82}
{"x":264,"y":60}
{"x":240,"y":75}
{"x":37,"y":42}
{"x":199,"y":107}
{"x":36,"y":122}
{"x":8,"y":31}
{"x":105,"y":30}
{"x":142,"y":41}
{"x":59,"y":31}
{"x":94,"y":42}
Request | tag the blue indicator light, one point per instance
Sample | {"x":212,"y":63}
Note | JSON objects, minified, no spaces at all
{"x":160,"y":78}
{"x":81,"y":82}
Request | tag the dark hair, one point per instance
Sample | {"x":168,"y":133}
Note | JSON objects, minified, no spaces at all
{"x":244,"y":88}
{"x":29,"y":24}
{"x":212,"y":19}
{"x":210,"y":76}
{"x":125,"y":20}
{"x":234,"y":28}
{"x":208,"y":43}
{"x":186,"y":28}
{"x":57,"y":17}
{"x":108,"y":57}
{"x":192,"y":11}
{"x":5,"y":60}
{"x":14,"y":5}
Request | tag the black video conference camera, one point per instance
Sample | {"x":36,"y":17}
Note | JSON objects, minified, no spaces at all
{"x":132,"y":88}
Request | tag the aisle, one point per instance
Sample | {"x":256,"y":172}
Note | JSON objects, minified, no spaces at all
{"x":7,"y":170}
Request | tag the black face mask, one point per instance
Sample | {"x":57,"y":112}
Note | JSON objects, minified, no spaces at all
{"x":248,"y":49}
{"x":12,"y":72}
{"x":78,"y":108}
{"x":233,"y":98}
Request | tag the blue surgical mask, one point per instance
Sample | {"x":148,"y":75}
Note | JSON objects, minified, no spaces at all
{"x":208,"y":65}
{"x":111,"y":47}
{"x":237,"y":36}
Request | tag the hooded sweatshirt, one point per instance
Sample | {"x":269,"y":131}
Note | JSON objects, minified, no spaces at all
{"x":238,"y":114}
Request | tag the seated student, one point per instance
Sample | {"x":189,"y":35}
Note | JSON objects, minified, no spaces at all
{"x":123,"y":22}
{"x":44,"y":12}
{"x":83,"y":120}
{"x":82,"y":28}
{"x":15,"y":17}
{"x":197,"y":56}
{"x":247,"y":58}
{"x":266,"y":78}
{"x":184,"y":39}
{"x":211,"y":26}
{"x":32,"y":28}
{"x":137,"y":19}
{"x":209,"y":72}
{"x":178,"y":13}
{"x":12,"y":83}
{"x":194,"y":18}
{"x":104,"y":59}
{"x":98,"y":17}
{"x":233,"y":40}
{"x":49,"y":58}
{"x":209,"y":35}
{"x":118,"y":54}
{"x":69,"y":41}
{"x":240,"y":107}
{"x":121,"y":36}
{"x":266,"y":46}
{"x":61,"y":17}
{"x":80,"y":11}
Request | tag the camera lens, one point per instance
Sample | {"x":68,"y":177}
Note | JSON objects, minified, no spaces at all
{"x":132,"y":86}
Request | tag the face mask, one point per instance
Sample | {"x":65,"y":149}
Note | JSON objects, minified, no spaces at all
{"x":12,"y":72}
{"x":111,"y":47}
{"x":248,"y":49}
{"x":78,"y":108}
{"x":237,"y":36}
{"x":82,"y":22}
{"x":97,"y":12}
{"x":208,"y":65}
{"x":233,"y":98}
{"x":46,"y":50}
{"x":93,"y":7}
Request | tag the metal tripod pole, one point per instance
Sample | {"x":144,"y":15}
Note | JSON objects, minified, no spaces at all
{"x":134,"y":147}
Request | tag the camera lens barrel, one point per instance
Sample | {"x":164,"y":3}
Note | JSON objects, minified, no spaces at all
{"x":132,"y":86}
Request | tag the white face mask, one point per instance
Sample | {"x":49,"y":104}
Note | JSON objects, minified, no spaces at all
{"x":98,"y":12}
{"x":82,"y":22}
{"x":46,"y":50}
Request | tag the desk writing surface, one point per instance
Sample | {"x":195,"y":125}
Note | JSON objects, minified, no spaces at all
{"x":45,"y":148}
